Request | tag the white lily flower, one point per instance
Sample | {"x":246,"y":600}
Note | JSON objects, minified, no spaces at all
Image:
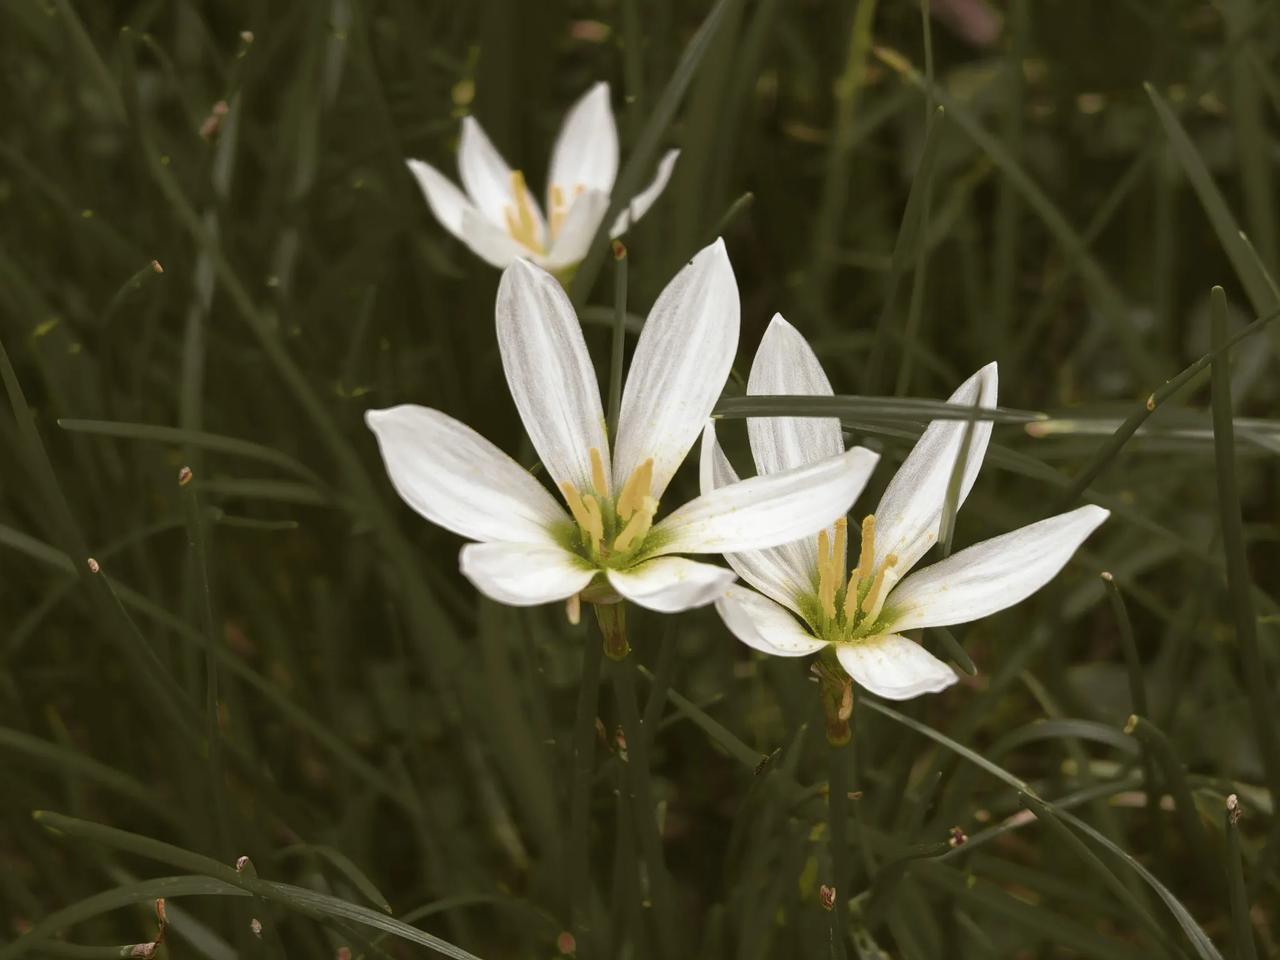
{"x":497,"y":216}
{"x":607,"y":546}
{"x":803,"y":599}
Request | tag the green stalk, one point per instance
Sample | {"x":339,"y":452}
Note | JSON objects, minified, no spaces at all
{"x":639,"y":787}
{"x":838,"y":822}
{"x":578,"y":864}
{"x":1241,"y":925}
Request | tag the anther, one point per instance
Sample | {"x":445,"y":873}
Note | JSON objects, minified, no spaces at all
{"x":596,"y":522}
{"x":578,"y":508}
{"x":838,"y":548}
{"x":598,"y":480}
{"x":867,"y":553}
{"x":635,"y":490}
{"x":851,"y":594}
{"x":873,"y":602}
{"x":638,"y":525}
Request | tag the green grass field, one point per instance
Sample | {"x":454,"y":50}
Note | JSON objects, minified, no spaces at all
{"x":213,"y":258}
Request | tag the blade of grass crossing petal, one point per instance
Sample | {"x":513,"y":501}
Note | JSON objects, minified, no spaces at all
{"x":1239,"y":583}
{"x":1251,"y":272}
{"x":1195,"y":935}
{"x":1241,"y":922}
{"x":906,"y":242}
{"x":639,"y":164}
{"x":950,"y":504}
{"x":846,"y":406}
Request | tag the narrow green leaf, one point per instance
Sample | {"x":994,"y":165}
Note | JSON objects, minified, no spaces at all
{"x":848,"y":406}
{"x":1241,"y":923}
{"x":344,"y":865}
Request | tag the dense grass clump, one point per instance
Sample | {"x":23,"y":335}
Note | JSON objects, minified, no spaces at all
{"x":240,"y":676}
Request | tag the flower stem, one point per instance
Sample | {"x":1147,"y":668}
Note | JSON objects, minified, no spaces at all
{"x":838,"y":822}
{"x":639,"y":791}
{"x":619,"y":335}
{"x":584,"y":743}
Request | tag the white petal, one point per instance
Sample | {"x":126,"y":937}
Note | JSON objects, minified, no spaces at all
{"x":489,"y":242}
{"x":991,"y":575}
{"x":781,"y":573}
{"x":786,"y":364}
{"x":643,"y":200}
{"x":767,"y":511}
{"x":524,"y":574}
{"x":894,"y":667}
{"x":574,"y":236}
{"x":669,"y":584}
{"x":488,"y":178}
{"x":456,"y":478}
{"x":446,"y":201}
{"x":910,"y":512}
{"x":679,"y":367}
{"x":760,"y":623}
{"x":550,"y":373}
{"x":586,"y":150}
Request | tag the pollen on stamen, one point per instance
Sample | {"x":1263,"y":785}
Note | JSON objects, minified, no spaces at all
{"x":639,"y":524}
{"x":521,"y":222}
{"x":873,"y":602}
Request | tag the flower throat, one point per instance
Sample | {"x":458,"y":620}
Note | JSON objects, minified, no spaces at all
{"x":608,"y":529}
{"x":849,"y":609}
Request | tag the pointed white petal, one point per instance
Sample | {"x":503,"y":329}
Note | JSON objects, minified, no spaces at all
{"x":781,"y":573}
{"x":586,"y":150}
{"x":456,"y":478}
{"x":524,"y":574}
{"x":550,"y":373}
{"x":910,"y":511}
{"x":991,"y":575}
{"x":669,"y":584}
{"x":446,"y":201}
{"x":490,"y":243}
{"x":894,"y":667}
{"x":679,"y":367}
{"x":767,"y":511}
{"x":785,"y":363}
{"x":574,"y":236}
{"x":643,"y":200}
{"x":760,"y":623}
{"x":488,"y":178}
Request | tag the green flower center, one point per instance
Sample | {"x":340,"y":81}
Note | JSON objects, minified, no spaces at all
{"x":843,"y":609}
{"x":611,"y":532}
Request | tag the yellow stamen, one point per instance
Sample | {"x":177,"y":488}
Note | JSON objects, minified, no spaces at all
{"x":838,"y":548}
{"x":638,"y":525}
{"x":598,"y":480}
{"x":867,"y":553}
{"x":635,"y":490}
{"x":596,"y":528}
{"x":873,"y":602}
{"x":826,"y":575}
{"x":587,"y":518}
{"x":521,"y":222}
{"x":850,"y":606}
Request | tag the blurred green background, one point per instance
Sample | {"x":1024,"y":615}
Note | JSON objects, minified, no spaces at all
{"x":229,"y":287}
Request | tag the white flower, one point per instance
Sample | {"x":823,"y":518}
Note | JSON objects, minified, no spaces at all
{"x":497,"y":216}
{"x":803,"y":601}
{"x":607,"y":546}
